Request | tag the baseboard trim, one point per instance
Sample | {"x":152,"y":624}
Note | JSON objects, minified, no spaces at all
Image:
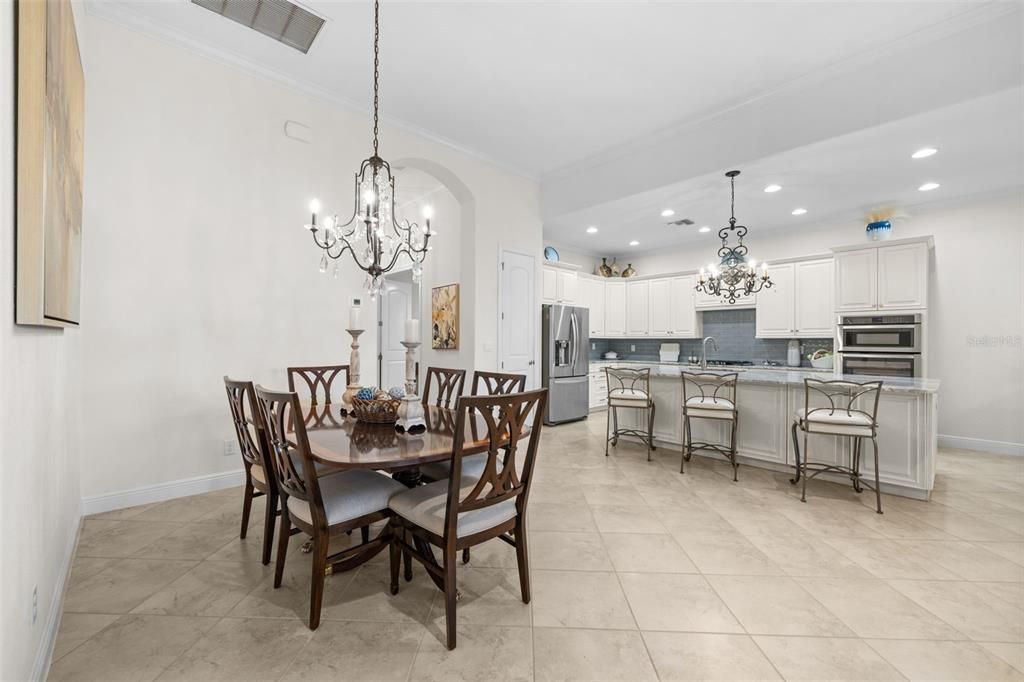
{"x":996,"y":447}
{"x":44,"y":653}
{"x":159,"y":492}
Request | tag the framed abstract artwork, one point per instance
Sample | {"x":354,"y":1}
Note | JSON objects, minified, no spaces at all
{"x":444,"y":317}
{"x":50,"y":146}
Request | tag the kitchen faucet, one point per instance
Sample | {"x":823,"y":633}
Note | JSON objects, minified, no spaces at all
{"x":704,"y":350}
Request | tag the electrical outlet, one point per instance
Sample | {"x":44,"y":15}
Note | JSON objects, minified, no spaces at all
{"x":35,"y":603}
{"x":230,"y":447}
{"x":593,"y":346}
{"x":632,"y":348}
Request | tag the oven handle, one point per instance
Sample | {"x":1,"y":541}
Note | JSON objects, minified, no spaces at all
{"x":878,"y":327}
{"x":881,"y":356}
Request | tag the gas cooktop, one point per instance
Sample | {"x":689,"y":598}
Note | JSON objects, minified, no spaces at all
{"x":730,"y":363}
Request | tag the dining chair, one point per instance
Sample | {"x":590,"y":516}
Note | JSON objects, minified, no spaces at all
{"x":464,"y":511}
{"x":319,"y":506}
{"x":318,"y":382}
{"x":449,"y":386}
{"x":252,"y":443}
{"x":710,"y":395}
{"x":629,"y":388}
{"x":837,"y":414}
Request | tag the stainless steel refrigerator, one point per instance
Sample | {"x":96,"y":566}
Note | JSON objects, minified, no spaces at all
{"x":565,"y":362}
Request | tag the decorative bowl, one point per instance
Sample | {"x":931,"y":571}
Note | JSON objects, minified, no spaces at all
{"x":376,"y":411}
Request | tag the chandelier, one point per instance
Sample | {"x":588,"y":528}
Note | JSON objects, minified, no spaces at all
{"x":372,"y":235}
{"x":734,"y":276}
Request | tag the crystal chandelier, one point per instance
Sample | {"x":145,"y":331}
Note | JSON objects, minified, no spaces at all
{"x":734,"y":276}
{"x":374,"y":238}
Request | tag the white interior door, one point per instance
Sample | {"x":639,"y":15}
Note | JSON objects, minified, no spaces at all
{"x":518,"y":316}
{"x":396,"y":308}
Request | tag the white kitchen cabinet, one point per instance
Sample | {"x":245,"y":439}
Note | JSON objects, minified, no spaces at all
{"x":683,"y":318}
{"x":598,"y":389}
{"x":659,"y":309}
{"x":615,"y":309}
{"x":558,"y":285}
{"x":814,"y":314}
{"x":762,"y":432}
{"x":549,"y":285}
{"x":903,"y":276}
{"x":567,"y":287}
{"x":891,"y":277}
{"x":592,"y":297}
{"x":637,"y":301}
{"x":703,"y":301}
{"x":776,"y":307}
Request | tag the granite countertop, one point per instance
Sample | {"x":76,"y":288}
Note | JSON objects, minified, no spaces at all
{"x":788,"y":376}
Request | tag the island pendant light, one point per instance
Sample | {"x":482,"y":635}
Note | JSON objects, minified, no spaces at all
{"x":734,"y":276}
{"x":372,"y":235}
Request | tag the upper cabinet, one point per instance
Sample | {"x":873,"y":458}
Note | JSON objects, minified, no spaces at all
{"x":776,"y":315}
{"x":707,"y":302}
{"x":559,"y":285}
{"x":683,"y":318}
{"x":591,"y":296}
{"x":637,"y":302}
{"x":890,"y":277}
{"x":799,"y":303}
{"x":615,"y":308}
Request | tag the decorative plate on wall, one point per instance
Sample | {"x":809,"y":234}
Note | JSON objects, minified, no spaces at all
{"x":550,"y":253}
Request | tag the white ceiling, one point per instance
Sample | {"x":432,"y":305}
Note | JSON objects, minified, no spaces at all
{"x":981,"y":149}
{"x":536,"y":86}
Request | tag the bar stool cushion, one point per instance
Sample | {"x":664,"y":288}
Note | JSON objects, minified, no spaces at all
{"x":472,"y":466}
{"x":426,"y":505}
{"x":348,"y":495}
{"x":707,"y":407}
{"x":838,"y":422}
{"x":628,"y":397}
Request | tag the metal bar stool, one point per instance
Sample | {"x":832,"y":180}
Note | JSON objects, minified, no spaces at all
{"x":629,"y":388}
{"x":838,"y":418}
{"x":709,"y":395}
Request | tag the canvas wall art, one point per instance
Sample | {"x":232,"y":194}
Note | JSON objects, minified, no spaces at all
{"x":50,"y":139}
{"x":444,"y":315}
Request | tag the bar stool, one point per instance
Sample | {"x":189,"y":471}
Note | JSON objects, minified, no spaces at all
{"x":838,"y":418}
{"x":709,"y":395}
{"x":631,"y":389}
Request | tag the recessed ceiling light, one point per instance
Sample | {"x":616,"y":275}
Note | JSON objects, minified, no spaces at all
{"x":928,"y":187}
{"x":772,"y":188}
{"x":591,"y":230}
{"x":799,"y":211}
{"x":705,"y":228}
{"x":667,"y":213}
{"x":923,"y":153}
{"x":634,"y":243}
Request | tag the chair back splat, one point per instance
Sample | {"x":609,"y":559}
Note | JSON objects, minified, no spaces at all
{"x":498,"y":383}
{"x":318,"y":381}
{"x":449,"y":386}
{"x":245,"y":415}
{"x":293,"y":466}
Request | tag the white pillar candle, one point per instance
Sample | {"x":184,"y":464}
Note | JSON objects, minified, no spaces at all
{"x":412,"y":330}
{"x":354,"y":315}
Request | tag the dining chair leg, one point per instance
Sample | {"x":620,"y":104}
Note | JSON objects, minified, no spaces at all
{"x":465,"y":555}
{"x":365,"y":532}
{"x":394,"y":552}
{"x":523,"y":560}
{"x":878,"y":487}
{"x":284,"y":533}
{"x":407,"y":558}
{"x":316,"y":596}
{"x":246,"y":508}
{"x":268,"y":526}
{"x":450,"y":592}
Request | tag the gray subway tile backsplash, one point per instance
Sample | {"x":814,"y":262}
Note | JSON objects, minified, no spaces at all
{"x":732,"y":329}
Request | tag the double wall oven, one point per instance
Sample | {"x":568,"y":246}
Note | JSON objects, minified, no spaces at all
{"x":880,"y":345}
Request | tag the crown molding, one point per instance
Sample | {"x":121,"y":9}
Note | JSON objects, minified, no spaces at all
{"x":117,"y":14}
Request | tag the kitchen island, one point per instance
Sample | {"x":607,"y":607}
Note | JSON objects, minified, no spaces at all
{"x":767,"y":400}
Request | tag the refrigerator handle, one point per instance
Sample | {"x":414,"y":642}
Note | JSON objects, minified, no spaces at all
{"x":575,"y":332}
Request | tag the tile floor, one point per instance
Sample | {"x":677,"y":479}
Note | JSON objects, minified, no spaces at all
{"x":639,"y":573}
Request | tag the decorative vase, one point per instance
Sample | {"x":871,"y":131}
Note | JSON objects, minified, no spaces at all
{"x":603,"y":268}
{"x":615,"y":269}
{"x":880,"y":230}
{"x":629,"y":271}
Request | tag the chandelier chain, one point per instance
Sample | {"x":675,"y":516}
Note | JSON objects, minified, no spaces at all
{"x":376,"y":73}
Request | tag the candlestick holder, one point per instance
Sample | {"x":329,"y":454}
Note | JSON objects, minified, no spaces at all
{"x":353,"y":373}
{"x":410,"y":412}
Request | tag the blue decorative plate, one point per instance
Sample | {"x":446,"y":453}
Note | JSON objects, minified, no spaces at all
{"x":550,"y":253}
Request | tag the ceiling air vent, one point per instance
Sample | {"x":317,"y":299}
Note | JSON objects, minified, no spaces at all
{"x":283,"y":21}
{"x":678,"y":223}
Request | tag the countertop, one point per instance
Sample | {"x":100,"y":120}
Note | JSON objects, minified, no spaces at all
{"x":783,"y":376}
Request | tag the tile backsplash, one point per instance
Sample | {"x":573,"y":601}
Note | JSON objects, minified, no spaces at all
{"x":732,"y":329}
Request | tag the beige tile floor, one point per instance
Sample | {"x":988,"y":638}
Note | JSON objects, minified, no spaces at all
{"x":639,"y":573}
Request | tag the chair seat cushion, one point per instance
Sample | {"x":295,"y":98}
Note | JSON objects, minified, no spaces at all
{"x":710,"y":403}
{"x":839,"y":422}
{"x":628,"y":397}
{"x":472,"y":466}
{"x":425,"y":506}
{"x":348,"y":495}
{"x":258,"y":473}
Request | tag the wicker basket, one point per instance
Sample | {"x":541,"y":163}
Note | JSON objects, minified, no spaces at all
{"x":376,"y":411}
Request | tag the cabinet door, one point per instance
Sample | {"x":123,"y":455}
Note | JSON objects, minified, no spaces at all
{"x":567,"y":287}
{"x":683,"y":319}
{"x":815,"y":315}
{"x":903,"y":276}
{"x":659,"y":320}
{"x":615,"y":309}
{"x":549,"y":285}
{"x":774,"y":318}
{"x":857,"y":279}
{"x":637,"y":300}
{"x":595,"y":299}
